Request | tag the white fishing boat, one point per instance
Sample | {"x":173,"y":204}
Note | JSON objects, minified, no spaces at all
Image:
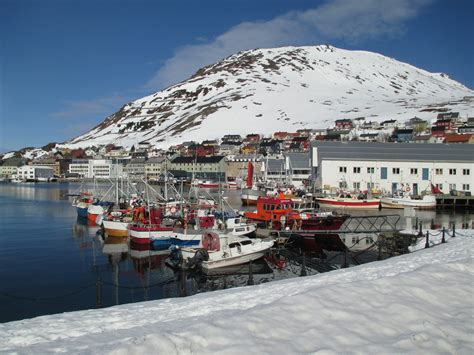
{"x":404,"y":200}
{"x":348,"y":201}
{"x":116,"y":224}
{"x":221,"y":250}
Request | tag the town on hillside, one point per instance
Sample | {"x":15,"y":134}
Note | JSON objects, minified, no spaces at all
{"x":440,"y":152}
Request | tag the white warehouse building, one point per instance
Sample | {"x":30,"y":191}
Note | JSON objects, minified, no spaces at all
{"x":385,"y":167}
{"x":35,"y":173}
{"x":98,"y":168}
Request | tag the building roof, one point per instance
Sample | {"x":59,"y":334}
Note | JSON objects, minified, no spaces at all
{"x":275,"y":165}
{"x":393,"y":151}
{"x":247,"y":157}
{"x":299,"y":160}
{"x":447,"y":115}
{"x":198,"y":160}
{"x":155,"y":160}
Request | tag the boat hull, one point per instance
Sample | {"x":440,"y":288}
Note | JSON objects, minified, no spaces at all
{"x":401,"y":203}
{"x":162,"y":244}
{"x":249,"y":197}
{"x":82,"y":212}
{"x":349,"y":204}
{"x":115,"y":228}
{"x":145,"y":234}
{"x":231,"y":261}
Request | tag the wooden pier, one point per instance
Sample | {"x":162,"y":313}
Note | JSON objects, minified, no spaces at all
{"x":454,"y":202}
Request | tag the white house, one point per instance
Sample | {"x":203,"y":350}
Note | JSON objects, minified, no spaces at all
{"x":386,"y":166}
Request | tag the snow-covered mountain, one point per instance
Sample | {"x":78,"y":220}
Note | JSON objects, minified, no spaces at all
{"x":266,"y":90}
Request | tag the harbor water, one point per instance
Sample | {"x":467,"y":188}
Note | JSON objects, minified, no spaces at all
{"x":51,"y":262}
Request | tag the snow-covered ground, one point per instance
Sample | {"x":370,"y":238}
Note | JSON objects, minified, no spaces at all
{"x":416,"y":303}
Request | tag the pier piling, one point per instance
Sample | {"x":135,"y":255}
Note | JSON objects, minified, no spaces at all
{"x":250,"y":282}
{"x":98,"y":293}
{"x":303,"y":267}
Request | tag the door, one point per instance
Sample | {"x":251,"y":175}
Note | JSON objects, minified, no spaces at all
{"x":383,"y":173}
{"x":394,"y":187}
{"x":415,"y":189}
{"x":425,"y":174}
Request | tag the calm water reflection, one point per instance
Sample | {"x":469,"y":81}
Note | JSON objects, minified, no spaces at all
{"x":51,"y":262}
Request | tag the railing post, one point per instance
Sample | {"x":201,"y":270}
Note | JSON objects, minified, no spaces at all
{"x":345,"y":265}
{"x":454,"y":229}
{"x":98,"y":293}
{"x":303,"y":268}
{"x":443,"y":239}
{"x":427,"y":243}
{"x":250,"y":281}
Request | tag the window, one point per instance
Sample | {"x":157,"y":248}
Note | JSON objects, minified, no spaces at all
{"x":383,"y":173}
{"x":356,"y":169}
{"x":370,"y":170}
{"x":465,"y":187}
{"x":452,"y":187}
{"x":414,"y":171}
{"x":396,"y":171}
{"x":466,"y":172}
{"x":452,"y":171}
{"x":439,"y":186}
{"x":439,"y":171}
{"x":370,"y":185}
{"x":343,"y":169}
{"x":342,"y":184}
{"x":356,"y":185}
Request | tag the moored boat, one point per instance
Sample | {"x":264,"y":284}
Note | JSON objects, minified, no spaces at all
{"x":280,"y":213}
{"x":347,"y":201}
{"x":404,"y":201}
{"x":222,"y":250}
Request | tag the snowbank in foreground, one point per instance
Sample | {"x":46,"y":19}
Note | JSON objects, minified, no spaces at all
{"x":418,"y":303}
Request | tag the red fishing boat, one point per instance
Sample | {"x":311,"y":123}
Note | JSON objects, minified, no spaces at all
{"x":280,"y":213}
{"x":145,"y":228}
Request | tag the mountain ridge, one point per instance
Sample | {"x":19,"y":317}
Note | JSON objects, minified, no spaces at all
{"x":286,"y":88}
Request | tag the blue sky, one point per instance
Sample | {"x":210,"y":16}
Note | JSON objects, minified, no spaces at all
{"x":65,"y":65}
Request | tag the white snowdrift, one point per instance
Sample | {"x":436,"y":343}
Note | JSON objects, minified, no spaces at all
{"x":416,"y":303}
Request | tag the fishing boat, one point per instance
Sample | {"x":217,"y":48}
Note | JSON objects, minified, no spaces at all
{"x":280,"y":213}
{"x":82,"y":203}
{"x":147,"y":225}
{"x":116,"y":223}
{"x":401,"y":201}
{"x":205,"y":184}
{"x":348,"y":201}
{"x":97,"y":208}
{"x":222,"y":250}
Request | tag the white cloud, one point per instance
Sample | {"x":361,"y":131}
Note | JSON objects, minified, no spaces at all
{"x":347,"y":20}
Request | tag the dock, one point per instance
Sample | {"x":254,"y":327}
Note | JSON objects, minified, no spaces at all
{"x":454,"y":202}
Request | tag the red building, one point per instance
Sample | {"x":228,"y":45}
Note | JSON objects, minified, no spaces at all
{"x":447,"y":123}
{"x":344,"y":123}
{"x":438,"y":131}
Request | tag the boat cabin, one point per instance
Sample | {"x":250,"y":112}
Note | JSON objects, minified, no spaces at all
{"x":271,"y":208}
